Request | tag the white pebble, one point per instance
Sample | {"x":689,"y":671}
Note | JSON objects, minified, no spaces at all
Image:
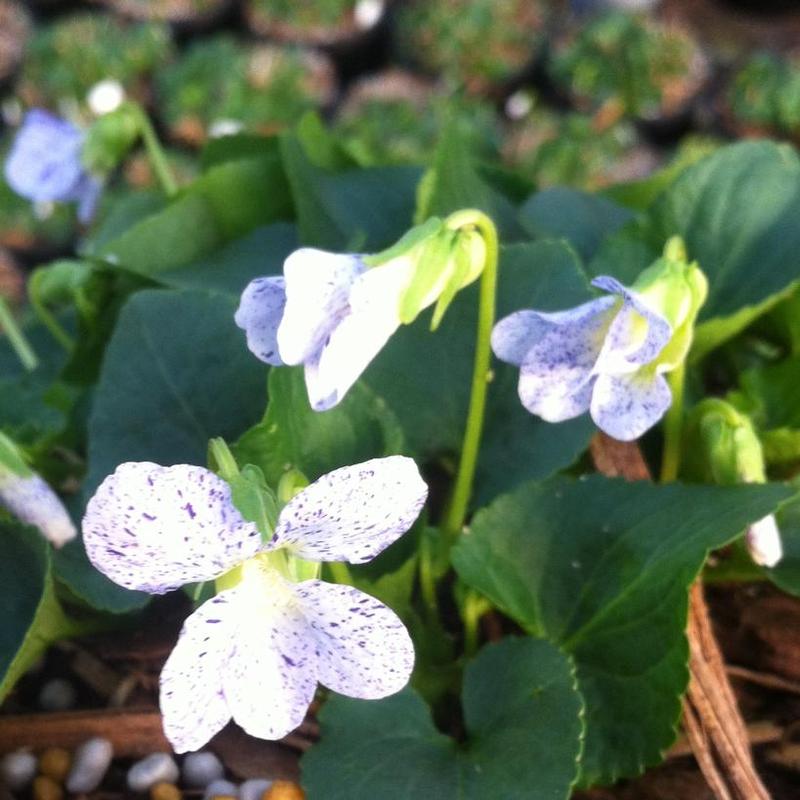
{"x":200,"y":769}
{"x":155,"y":768}
{"x":57,"y":695}
{"x":92,"y":760}
{"x":254,"y":788}
{"x":17,"y":769}
{"x":217,"y":788}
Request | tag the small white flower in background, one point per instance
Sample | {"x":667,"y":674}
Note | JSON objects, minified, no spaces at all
{"x":45,"y":164}
{"x":29,"y":498}
{"x":105,"y":96}
{"x":225,"y":127}
{"x":607,"y":356}
{"x":333,"y":312}
{"x":256,"y":650}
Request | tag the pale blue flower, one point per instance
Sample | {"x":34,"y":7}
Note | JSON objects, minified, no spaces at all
{"x":600,"y":357}
{"x":44,"y":164}
{"x":328,"y":312}
{"x":256,"y":650}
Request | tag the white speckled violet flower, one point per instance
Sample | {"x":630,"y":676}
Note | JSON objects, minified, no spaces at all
{"x":608,"y":356}
{"x":256,"y":650}
{"x":333,"y":312}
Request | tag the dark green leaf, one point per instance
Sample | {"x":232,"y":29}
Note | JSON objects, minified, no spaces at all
{"x":454,"y":183}
{"x":293,"y":436}
{"x":516,"y":695}
{"x":602,"y":567}
{"x":231,"y":268}
{"x":357,"y":210}
{"x":739,"y":213}
{"x":583,"y":219}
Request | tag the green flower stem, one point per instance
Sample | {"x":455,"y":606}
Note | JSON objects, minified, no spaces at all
{"x":673,"y":427}
{"x":16,"y":337}
{"x":340,"y":572}
{"x":474,"y":607}
{"x":155,"y":153}
{"x":427,"y":581}
{"x":459,"y":503}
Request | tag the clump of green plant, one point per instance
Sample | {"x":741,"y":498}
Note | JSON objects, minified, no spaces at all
{"x":64,"y":60}
{"x":648,"y":68}
{"x":169,"y":10}
{"x":397,"y":118}
{"x":287,"y":19}
{"x":572,"y":150}
{"x":263,"y":87}
{"x":765,"y":93}
{"x":492,"y":41}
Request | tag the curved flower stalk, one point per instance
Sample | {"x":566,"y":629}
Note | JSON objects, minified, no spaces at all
{"x":333,"y":312}
{"x":608,"y":356}
{"x":45,"y":164}
{"x":29,"y":498}
{"x":256,"y":650}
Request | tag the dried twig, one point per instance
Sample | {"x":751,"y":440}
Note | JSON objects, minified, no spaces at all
{"x":132,"y":732}
{"x":711,"y":717}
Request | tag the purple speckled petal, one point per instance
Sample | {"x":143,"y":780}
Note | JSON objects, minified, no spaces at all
{"x":373,"y":317}
{"x":625,"y":406}
{"x":31,"y":500}
{"x":45,"y":160}
{"x":272,"y":674}
{"x":556,"y":352}
{"x":259,"y":314}
{"x":157,"y":528}
{"x":637,"y":334}
{"x":317,"y":298}
{"x":353,"y":513}
{"x":364,"y":649}
{"x":193,"y":705}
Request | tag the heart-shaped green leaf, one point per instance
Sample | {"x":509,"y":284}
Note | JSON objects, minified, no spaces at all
{"x":602,"y":568}
{"x":523,"y":720}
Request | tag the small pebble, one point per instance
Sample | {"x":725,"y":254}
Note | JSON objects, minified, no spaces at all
{"x":284,"y":790}
{"x":55,"y":763}
{"x":17,"y":769}
{"x":155,"y":768}
{"x":254,"y":788}
{"x":57,"y":695}
{"x":220,"y":789}
{"x":165,"y":791}
{"x":45,"y":788}
{"x":200,"y":769}
{"x":92,"y":760}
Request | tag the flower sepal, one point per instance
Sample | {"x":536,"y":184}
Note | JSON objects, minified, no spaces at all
{"x":675,"y":288}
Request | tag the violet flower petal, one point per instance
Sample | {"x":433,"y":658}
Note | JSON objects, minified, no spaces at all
{"x":364,"y":648}
{"x":157,"y":528}
{"x":259,"y":314}
{"x":352,"y":513}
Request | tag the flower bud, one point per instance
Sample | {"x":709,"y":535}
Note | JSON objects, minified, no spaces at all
{"x":110,"y":138}
{"x":723,"y":448}
{"x":28,"y":497}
